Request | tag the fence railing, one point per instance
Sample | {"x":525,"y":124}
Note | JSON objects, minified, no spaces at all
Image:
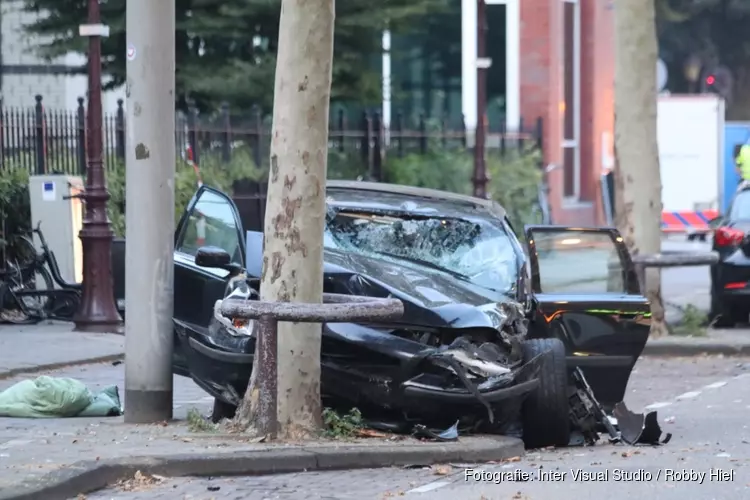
{"x":48,"y":141}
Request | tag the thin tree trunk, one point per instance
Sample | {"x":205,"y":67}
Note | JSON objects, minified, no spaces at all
{"x":637,"y":176}
{"x":295,"y":210}
{"x":738,"y":105}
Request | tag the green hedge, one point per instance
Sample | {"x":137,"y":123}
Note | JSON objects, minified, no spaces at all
{"x":514,"y":180}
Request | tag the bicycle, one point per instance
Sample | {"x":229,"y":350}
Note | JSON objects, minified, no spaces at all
{"x":20,"y":285}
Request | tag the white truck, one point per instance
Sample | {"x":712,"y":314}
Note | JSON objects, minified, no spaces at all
{"x":691,"y":155}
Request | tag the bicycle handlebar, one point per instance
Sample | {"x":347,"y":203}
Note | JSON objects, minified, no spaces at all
{"x":38,"y":227}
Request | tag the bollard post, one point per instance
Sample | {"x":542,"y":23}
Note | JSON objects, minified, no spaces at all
{"x":268,"y":375}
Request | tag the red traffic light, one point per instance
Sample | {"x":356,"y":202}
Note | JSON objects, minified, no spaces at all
{"x":710,"y":80}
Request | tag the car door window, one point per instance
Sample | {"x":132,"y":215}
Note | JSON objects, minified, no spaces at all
{"x":579,"y":262}
{"x":211,"y":222}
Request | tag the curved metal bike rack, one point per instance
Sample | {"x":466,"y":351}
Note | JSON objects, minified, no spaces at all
{"x":671,"y":259}
{"x":336,"y":308}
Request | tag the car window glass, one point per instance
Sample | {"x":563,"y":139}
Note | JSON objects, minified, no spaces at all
{"x":211,"y":223}
{"x":579,"y":262}
{"x":476,"y":250}
{"x":740,"y":207}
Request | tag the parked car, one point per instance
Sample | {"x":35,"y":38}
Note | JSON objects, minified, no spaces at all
{"x":490,"y":334}
{"x":730,"y":277}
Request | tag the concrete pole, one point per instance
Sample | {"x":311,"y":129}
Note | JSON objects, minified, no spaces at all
{"x":149,"y":215}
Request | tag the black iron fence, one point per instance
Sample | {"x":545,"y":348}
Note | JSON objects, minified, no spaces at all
{"x":54,"y":141}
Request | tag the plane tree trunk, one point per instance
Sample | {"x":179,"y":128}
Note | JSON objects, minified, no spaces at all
{"x":637,"y":176}
{"x":295,"y":212}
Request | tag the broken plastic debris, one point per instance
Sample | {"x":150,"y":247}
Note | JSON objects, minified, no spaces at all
{"x":669,"y":420}
{"x":635,"y":428}
{"x":449,"y":434}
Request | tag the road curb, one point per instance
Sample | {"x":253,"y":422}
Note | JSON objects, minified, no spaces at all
{"x":674,"y":349}
{"x":88,"y":476}
{"x":62,"y":364}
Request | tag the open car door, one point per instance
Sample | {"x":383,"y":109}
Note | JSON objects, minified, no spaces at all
{"x":588,"y":296}
{"x":210,"y":219}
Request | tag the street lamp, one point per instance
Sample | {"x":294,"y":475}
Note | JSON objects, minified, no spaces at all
{"x":97,"y":311}
{"x":483,"y":63}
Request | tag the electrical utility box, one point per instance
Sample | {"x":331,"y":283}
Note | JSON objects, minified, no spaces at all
{"x":53,"y":202}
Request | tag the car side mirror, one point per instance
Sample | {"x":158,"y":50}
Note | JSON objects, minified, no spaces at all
{"x":715,"y":222}
{"x":213,"y":257}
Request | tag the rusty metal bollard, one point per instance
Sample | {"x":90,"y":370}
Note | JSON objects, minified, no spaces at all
{"x":336,"y":308}
{"x":671,"y":259}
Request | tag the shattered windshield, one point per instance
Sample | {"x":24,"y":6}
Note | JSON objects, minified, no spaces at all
{"x":475,"y":250}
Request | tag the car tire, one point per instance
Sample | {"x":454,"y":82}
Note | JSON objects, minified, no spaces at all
{"x":222,"y":410}
{"x":722,"y":316}
{"x":545,"y":412}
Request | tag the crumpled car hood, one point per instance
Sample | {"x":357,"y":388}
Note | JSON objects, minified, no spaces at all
{"x":431,"y":298}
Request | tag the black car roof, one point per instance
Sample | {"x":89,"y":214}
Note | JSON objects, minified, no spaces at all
{"x":408,"y":199}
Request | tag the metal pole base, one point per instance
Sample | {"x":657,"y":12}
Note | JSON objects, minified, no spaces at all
{"x":97,"y":312}
{"x":147,"y":407}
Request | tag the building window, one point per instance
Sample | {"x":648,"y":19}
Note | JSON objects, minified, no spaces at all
{"x":571,"y":109}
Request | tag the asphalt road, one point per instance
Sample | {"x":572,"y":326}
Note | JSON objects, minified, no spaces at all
{"x":702,"y":401}
{"x":686,"y":285}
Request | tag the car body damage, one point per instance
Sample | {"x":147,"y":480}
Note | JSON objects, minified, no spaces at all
{"x":538,"y":343}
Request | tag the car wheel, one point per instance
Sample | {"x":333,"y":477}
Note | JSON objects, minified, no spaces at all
{"x":222,"y":410}
{"x":723,"y":316}
{"x":545,"y":413}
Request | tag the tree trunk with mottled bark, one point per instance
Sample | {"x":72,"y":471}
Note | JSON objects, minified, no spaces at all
{"x":295,"y":212}
{"x":637,"y":175}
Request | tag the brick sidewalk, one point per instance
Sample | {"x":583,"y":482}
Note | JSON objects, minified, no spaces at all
{"x":53,"y":344}
{"x":33,"y":448}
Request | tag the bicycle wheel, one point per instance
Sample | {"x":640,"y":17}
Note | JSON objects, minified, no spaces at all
{"x":35,"y":279}
{"x":10,"y":310}
{"x":24,"y":252}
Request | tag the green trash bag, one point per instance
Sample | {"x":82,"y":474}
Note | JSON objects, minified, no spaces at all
{"x":45,"y":397}
{"x":104,"y":404}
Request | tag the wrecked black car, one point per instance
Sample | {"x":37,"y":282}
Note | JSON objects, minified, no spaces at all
{"x":491,"y":336}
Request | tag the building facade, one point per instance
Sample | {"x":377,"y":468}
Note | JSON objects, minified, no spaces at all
{"x":567,"y":76}
{"x":24,"y":74}
{"x":559,"y":65}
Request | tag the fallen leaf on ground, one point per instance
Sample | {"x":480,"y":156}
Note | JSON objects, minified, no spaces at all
{"x":513,"y":459}
{"x":626,"y":454}
{"x":371,"y":433}
{"x":139,"y":482}
{"x":442,"y":470}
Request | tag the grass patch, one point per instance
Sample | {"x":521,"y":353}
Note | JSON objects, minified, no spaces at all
{"x":345,"y":425}
{"x":693,"y":322}
{"x":199,"y":423}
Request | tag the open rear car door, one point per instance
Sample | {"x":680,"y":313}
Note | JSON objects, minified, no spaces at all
{"x":587,"y":295}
